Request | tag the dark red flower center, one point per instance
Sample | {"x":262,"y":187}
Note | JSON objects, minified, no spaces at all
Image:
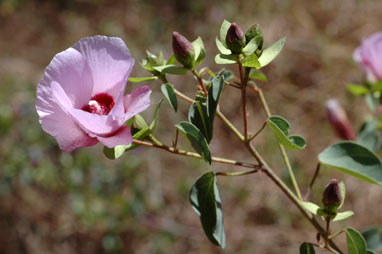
{"x":99,"y":104}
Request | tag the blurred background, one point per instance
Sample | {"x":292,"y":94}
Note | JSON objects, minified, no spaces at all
{"x":81,"y":202}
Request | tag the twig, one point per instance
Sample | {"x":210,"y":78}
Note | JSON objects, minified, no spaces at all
{"x":195,"y":155}
{"x":312,"y":182}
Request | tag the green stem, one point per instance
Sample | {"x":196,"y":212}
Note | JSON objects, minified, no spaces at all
{"x":159,"y":145}
{"x":282,"y":149}
{"x":196,"y":74}
{"x":268,"y":171}
{"x":241,"y":173}
{"x":258,"y":132}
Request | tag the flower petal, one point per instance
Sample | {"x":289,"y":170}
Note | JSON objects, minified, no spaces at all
{"x":122,"y":137}
{"x":137,"y":101}
{"x":109,"y":61}
{"x":61,"y":126}
{"x":70,"y":70}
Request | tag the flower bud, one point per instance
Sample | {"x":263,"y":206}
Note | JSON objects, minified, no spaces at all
{"x":183,"y":50}
{"x":339,"y":120}
{"x":332,"y":196}
{"x":253,"y":32}
{"x":235,"y":39}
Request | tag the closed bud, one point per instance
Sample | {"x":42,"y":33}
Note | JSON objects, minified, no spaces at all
{"x":183,"y":50}
{"x":332,"y":196}
{"x":235,"y":39}
{"x":339,"y":120}
{"x":252,"y":32}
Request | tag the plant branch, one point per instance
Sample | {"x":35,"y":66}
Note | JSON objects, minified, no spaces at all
{"x":243,"y":82}
{"x":312,"y":182}
{"x":195,"y":155}
{"x":282,"y":149}
{"x":258,"y":132}
{"x":196,"y":74}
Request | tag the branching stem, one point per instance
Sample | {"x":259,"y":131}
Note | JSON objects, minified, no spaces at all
{"x":282,"y":149}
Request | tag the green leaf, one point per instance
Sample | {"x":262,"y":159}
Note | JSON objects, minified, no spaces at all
{"x":355,"y":242}
{"x":368,"y":251}
{"x":252,"y":45}
{"x":200,"y":52}
{"x":280,"y":128}
{"x":257,"y":74}
{"x":196,"y":139}
{"x":171,"y":69}
{"x":353,"y":159}
{"x":343,"y":215}
{"x":154,"y":122}
{"x":343,"y":194}
{"x":225,"y":59}
{"x":371,"y":102}
{"x":306,"y":248}
{"x":377,"y":86}
{"x":205,"y":199}
{"x":142,"y":79}
{"x":368,"y":135}
{"x":222,"y":48}
{"x":116,"y":152}
{"x":311,"y":207}
{"x":198,"y":116}
{"x":357,"y":89}
{"x":270,"y":53}
{"x":169,"y":93}
{"x":373,"y":237}
{"x":223,"y":31}
{"x":213,"y":97}
{"x":171,"y":60}
{"x":140,"y":122}
{"x":252,"y":61}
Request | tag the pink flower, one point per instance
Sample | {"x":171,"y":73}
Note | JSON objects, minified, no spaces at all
{"x":369,"y":56}
{"x":339,"y":120}
{"x":80,"y":99}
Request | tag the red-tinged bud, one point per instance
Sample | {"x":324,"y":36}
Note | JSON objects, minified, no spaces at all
{"x":339,"y":120}
{"x":183,"y":50}
{"x":235,"y":39}
{"x":332,"y":196}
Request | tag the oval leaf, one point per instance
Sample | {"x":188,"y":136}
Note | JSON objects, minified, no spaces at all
{"x":142,"y":79}
{"x":154,"y":122}
{"x":196,"y":139}
{"x":252,"y":61}
{"x":198,"y":116}
{"x":223,"y":30}
{"x":171,"y":69}
{"x":222,"y":48}
{"x":353,"y":159}
{"x":311,"y":207}
{"x":306,"y":248}
{"x":355,"y":242}
{"x":252,"y":45}
{"x":343,"y":215}
{"x":225,"y":59}
{"x":200,"y":52}
{"x":205,"y":199}
{"x":169,"y":93}
{"x":373,"y":237}
{"x":280,"y":128}
{"x":270,"y":53}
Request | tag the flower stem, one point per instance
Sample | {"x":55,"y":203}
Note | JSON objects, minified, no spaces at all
{"x":282,"y":149}
{"x":268,"y":171}
{"x":258,"y":132}
{"x":243,"y":82}
{"x":159,"y":145}
{"x":196,"y":74}
{"x":312,"y":182}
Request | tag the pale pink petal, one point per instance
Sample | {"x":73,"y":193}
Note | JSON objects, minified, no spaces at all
{"x":94,"y":124}
{"x":122,"y":137}
{"x":109,"y":61}
{"x":70,"y":70}
{"x":137,"y":101}
{"x":57,"y":123}
{"x":61,"y":97}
